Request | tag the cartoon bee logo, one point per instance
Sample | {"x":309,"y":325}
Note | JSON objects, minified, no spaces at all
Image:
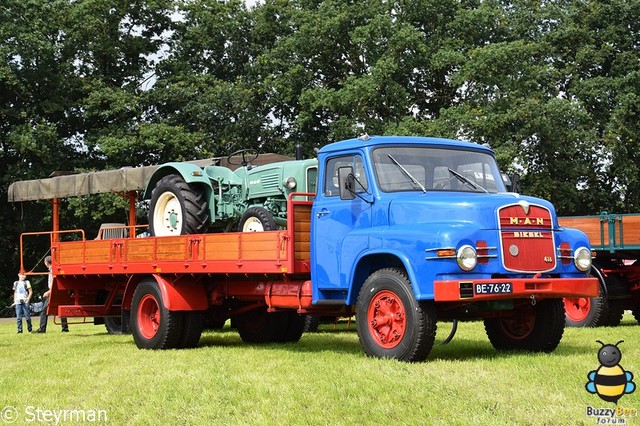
{"x":610,"y":381}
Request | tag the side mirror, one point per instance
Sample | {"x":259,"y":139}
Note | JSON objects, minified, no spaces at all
{"x":512,"y":183}
{"x":346,"y":183}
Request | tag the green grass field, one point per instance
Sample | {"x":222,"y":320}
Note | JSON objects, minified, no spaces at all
{"x":323,"y":379}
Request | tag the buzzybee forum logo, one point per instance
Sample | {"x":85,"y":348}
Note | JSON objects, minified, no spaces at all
{"x":610,"y":381}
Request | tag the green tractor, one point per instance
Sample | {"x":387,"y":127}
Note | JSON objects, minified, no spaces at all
{"x":188,"y":199}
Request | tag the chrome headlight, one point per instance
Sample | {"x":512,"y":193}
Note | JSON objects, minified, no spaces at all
{"x":467,"y":258}
{"x":582,"y":259}
{"x":290,"y":182}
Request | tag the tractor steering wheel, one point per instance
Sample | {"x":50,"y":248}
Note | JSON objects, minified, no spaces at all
{"x":248,"y":155}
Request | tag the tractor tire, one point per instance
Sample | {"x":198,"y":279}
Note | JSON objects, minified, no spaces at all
{"x":192,"y":325}
{"x":391,"y":322}
{"x":177,"y":208}
{"x":257,"y":219}
{"x":153,"y":326}
{"x":539,"y":330}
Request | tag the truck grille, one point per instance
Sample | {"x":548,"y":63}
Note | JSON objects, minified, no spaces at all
{"x":527,"y":238}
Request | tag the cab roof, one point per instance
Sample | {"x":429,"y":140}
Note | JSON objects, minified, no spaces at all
{"x":374,"y":141}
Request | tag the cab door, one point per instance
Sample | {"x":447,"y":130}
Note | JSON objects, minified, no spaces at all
{"x":340,"y":229}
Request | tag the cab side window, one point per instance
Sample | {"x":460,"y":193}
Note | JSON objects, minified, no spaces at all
{"x":331,"y":188}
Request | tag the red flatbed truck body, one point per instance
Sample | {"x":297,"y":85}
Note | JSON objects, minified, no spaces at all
{"x":269,"y":267}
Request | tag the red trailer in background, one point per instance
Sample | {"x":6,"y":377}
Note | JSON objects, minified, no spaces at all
{"x":615,"y":239}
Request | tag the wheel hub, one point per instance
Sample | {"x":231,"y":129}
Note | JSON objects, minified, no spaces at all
{"x":173,"y":220}
{"x":149,"y":316}
{"x":577,"y":309}
{"x":387,"y":319}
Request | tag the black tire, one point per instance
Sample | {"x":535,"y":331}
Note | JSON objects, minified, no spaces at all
{"x":118,"y":325}
{"x":292,"y":327}
{"x":311,"y":323}
{"x":257,"y":219}
{"x":614,"y":313}
{"x":259,"y":326}
{"x":538,"y":330}
{"x":593,"y":315}
{"x":113,"y":325}
{"x":177,"y":208}
{"x":192,"y":325}
{"x":587,"y":311}
{"x":636,"y":312}
{"x":617,"y":292}
{"x":153,"y":326}
{"x":391,"y":322}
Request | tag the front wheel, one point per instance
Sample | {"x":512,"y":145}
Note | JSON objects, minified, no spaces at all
{"x":257,"y":219}
{"x":539,"y":329}
{"x":153,"y":326}
{"x":585,"y":311}
{"x":391,"y":322}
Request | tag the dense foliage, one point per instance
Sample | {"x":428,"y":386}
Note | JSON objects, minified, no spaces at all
{"x":553,"y":86}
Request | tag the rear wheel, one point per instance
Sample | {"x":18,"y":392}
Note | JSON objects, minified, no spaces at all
{"x":113,"y":325}
{"x":118,"y":325}
{"x":257,"y":219}
{"x":392,"y":323}
{"x":311,"y":323}
{"x":192,"y":325}
{"x":177,"y":208}
{"x":292,"y":327}
{"x":617,"y":292}
{"x":540,"y":329}
{"x":153,"y":326}
{"x":259,"y":326}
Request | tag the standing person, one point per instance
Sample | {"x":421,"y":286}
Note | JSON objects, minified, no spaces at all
{"x":45,"y":296}
{"x":21,"y":296}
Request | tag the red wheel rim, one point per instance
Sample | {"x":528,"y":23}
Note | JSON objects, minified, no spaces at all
{"x":577,"y":309}
{"x":518,"y":328}
{"x":387,"y":319}
{"x":148,"y":316}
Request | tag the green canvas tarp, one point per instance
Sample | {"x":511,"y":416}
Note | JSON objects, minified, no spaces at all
{"x":122,"y":180}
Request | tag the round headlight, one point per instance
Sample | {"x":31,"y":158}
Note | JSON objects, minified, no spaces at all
{"x":467,"y":258}
{"x":290,"y":182}
{"x":582,"y":259}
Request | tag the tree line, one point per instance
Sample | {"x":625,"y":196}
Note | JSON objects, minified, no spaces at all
{"x":552,"y":86}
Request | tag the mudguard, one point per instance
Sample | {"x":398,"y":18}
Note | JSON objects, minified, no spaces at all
{"x":189,"y":172}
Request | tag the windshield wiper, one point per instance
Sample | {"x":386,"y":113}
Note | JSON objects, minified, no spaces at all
{"x":466,"y":180}
{"x":409,"y":175}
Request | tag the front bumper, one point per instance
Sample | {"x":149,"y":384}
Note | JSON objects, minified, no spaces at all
{"x":516,"y":288}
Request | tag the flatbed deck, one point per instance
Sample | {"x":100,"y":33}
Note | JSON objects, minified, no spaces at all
{"x":608,"y":232}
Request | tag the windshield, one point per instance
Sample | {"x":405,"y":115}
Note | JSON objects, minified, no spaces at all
{"x":436,"y":169}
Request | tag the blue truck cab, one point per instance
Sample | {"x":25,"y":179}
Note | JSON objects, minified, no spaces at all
{"x":413,"y":229}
